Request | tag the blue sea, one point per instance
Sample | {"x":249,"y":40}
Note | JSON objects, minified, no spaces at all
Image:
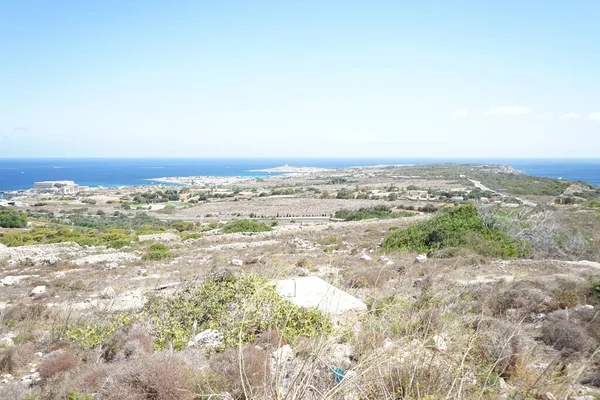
{"x":20,"y":173}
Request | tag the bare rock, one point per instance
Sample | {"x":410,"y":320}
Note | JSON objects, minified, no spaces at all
{"x":31,"y":379}
{"x":236,"y":262}
{"x":439,"y":343}
{"x":421,"y":258}
{"x":160,"y":237}
{"x":38,"y":290}
{"x":12,"y":280}
{"x":341,"y":355}
{"x":365,"y":257}
{"x":108,"y":293}
{"x":107,"y":258}
{"x":548,"y":396}
{"x":207,"y":338}
{"x":312,"y":291}
{"x":326,"y":270}
{"x":60,"y":275}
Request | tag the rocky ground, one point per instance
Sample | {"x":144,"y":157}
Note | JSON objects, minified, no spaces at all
{"x":404,"y":325}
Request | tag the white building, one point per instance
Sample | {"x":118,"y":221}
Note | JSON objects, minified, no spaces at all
{"x":60,"y":187}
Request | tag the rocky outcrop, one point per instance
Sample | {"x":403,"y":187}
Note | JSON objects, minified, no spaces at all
{"x":38,"y":255}
{"x":160,"y":237}
{"x":106,"y":258}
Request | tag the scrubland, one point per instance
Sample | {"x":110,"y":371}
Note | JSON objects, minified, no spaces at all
{"x":468,"y":300}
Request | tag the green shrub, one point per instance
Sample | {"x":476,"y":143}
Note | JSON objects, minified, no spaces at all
{"x":239,"y":306}
{"x":245,"y":225}
{"x":459,"y":227}
{"x":92,"y":335}
{"x":182,"y":226}
{"x":118,"y":244}
{"x":12,"y":219}
{"x":159,"y":247}
{"x":379,"y":212}
{"x":187,"y":235}
{"x":158,"y":255}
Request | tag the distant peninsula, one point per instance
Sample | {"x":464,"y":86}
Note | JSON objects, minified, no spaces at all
{"x":290,"y":169}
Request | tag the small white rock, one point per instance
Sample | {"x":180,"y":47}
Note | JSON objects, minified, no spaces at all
{"x":38,"y":290}
{"x":112,"y":265}
{"x":365,"y":257}
{"x":207,"y":338}
{"x":236,"y":262}
{"x":60,"y":275}
{"x":421,"y":258}
{"x":108,"y":293}
{"x":440,"y":343}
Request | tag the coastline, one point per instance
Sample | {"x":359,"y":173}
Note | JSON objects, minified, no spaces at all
{"x":19,"y":175}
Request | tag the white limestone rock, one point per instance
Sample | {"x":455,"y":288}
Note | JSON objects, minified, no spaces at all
{"x":236,"y":262}
{"x":38,"y":290}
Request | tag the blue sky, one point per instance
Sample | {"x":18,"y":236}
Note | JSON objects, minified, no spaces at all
{"x":300,"y":78}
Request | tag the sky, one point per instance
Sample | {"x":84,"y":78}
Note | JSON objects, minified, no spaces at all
{"x":325,"y":78}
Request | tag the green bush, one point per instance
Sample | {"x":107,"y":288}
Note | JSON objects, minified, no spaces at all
{"x":188,"y":235}
{"x":380,"y":212}
{"x":87,"y":237}
{"x":158,"y":255}
{"x":461,"y":227}
{"x":12,"y":219}
{"x":159,"y":247}
{"x":245,"y":225}
{"x":182,"y":226}
{"x":239,"y":306}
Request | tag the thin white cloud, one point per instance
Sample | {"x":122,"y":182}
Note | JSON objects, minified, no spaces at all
{"x":595,"y":116}
{"x":570,"y":115}
{"x":510,"y":111}
{"x":461,"y":112}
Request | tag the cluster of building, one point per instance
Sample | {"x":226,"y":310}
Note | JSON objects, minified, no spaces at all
{"x":57,"y":187}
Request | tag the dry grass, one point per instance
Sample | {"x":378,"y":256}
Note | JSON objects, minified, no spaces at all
{"x":246,"y":370}
{"x":158,"y":377}
{"x":16,"y":357}
{"x":57,"y":364}
{"x":128,"y":342}
{"x":21,"y":312}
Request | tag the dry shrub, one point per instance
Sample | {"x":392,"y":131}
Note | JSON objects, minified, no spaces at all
{"x":567,"y":295}
{"x":57,"y":363}
{"x":370,"y":278}
{"x":270,"y":340}
{"x":499,"y":346}
{"x":126,"y":343}
{"x":13,"y":391}
{"x":590,"y":318}
{"x":562,"y":333}
{"x":16,"y":357}
{"x":522,"y":296}
{"x":89,"y":378}
{"x":464,"y":255}
{"x":156,"y":377}
{"x":21,"y":312}
{"x":417,"y":374}
{"x":247,"y":371}
{"x":60,"y":345}
{"x":366,"y":341}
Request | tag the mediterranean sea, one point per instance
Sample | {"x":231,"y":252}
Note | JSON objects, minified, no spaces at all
{"x":20,"y":173}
